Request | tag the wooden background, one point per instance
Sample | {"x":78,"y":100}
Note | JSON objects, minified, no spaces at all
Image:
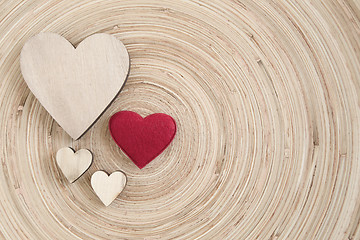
{"x":266,"y":96}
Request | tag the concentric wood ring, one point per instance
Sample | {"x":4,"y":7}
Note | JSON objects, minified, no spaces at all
{"x":266,"y":97}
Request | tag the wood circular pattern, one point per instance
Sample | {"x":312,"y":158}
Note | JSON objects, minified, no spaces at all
{"x":265,"y":95}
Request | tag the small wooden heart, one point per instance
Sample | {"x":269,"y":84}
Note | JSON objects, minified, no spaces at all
{"x":107,"y":188}
{"x":74,"y":85}
{"x":73,"y":164}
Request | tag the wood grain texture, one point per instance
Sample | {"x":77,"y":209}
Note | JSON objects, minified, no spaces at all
{"x":108,"y":187}
{"x":74,"y":85}
{"x":73,"y":164}
{"x":266,"y":99}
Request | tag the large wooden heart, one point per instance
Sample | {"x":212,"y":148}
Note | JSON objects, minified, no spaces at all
{"x":75,"y":85}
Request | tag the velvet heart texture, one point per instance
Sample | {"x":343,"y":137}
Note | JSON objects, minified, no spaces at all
{"x":142,"y":139}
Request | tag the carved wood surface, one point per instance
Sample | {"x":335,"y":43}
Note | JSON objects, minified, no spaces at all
{"x":265,"y":95}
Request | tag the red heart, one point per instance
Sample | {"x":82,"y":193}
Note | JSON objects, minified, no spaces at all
{"x":142,"y":139}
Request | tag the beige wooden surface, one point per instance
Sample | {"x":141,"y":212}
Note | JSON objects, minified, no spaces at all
{"x":73,"y":164}
{"x":74,"y":85}
{"x":266,"y":99}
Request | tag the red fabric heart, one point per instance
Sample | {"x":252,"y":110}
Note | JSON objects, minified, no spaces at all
{"x":142,"y":139}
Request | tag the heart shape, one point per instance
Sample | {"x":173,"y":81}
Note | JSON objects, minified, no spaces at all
{"x":73,"y":164}
{"x":107,"y":188}
{"x":75,"y":85}
{"x":142,"y":139}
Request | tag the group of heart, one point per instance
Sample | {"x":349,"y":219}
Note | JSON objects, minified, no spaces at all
{"x":76,"y":85}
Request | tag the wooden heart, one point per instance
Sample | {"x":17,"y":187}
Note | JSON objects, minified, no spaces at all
{"x":73,"y":164}
{"x":107,"y":188}
{"x":75,"y":85}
